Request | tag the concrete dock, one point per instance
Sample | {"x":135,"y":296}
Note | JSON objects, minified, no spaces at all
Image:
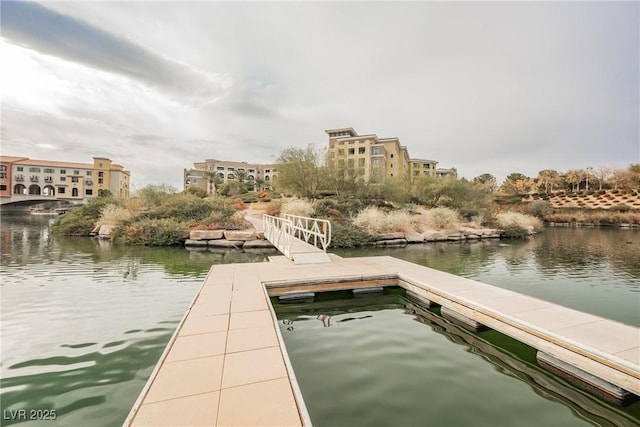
{"x":227,"y":364}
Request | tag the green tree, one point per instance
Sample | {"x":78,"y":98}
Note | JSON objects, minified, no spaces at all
{"x":214,"y":181}
{"x":488,"y":182}
{"x":516,"y":183}
{"x":299,"y":171}
{"x":155,"y":194}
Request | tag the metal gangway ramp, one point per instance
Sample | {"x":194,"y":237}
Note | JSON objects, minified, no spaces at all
{"x":302,"y":239}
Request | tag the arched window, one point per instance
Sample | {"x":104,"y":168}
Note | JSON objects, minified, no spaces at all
{"x":74,"y":192}
{"x":49,"y":191}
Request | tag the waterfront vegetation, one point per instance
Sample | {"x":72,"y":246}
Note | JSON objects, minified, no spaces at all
{"x":362,"y":211}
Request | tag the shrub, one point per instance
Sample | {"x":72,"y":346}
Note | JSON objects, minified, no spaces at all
{"x":182,"y":207}
{"x":327,"y":209}
{"x":375,"y":221}
{"x":250,"y":197}
{"x":442,"y":219}
{"x":516,"y":224}
{"x":298,"y":207}
{"x":539,"y":208}
{"x":239,"y":205}
{"x":348,"y":236}
{"x":196,"y":191}
{"x":114,"y":215}
{"x":154,"y":232}
{"x":262,"y":194}
{"x":81,"y":221}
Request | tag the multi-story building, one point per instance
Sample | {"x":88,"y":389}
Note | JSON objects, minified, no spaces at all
{"x":373,"y":159}
{"x":64,"y":180}
{"x":256,"y":176}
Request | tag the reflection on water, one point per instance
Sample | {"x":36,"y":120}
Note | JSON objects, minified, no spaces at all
{"x":385,"y":360}
{"x":591,"y":270}
{"x":84,"y":321}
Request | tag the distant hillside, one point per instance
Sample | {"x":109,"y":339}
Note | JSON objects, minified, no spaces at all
{"x":603,"y":199}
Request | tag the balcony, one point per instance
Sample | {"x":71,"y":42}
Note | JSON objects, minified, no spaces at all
{"x":88,"y":182}
{"x":19,"y":178}
{"x":48,"y":179}
{"x":34,"y":178}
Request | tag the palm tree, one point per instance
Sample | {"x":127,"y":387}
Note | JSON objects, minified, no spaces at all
{"x":214,"y":181}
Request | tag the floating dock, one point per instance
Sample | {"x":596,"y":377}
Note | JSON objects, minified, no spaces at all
{"x":227,"y":364}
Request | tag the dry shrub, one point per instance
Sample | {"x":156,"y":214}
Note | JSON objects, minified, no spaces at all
{"x":509,"y":220}
{"x":375,"y":221}
{"x":239,"y":205}
{"x":441,"y":219}
{"x":297,"y":207}
{"x":114,"y":215}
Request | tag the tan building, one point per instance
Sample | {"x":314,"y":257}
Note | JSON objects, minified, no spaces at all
{"x":256,"y":176}
{"x":373,"y":159}
{"x":64,"y":180}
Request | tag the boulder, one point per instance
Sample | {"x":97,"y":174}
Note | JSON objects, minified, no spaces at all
{"x":206,"y":234}
{"x":414,"y":237}
{"x":191,"y":242}
{"x":393,"y":242}
{"x":222,"y":243}
{"x":240,"y":235}
{"x":390,"y":236}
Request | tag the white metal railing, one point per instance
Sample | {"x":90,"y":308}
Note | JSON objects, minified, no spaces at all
{"x":311,"y":229}
{"x":279,"y":231}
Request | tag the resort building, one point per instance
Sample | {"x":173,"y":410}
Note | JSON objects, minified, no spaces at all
{"x":62,"y":180}
{"x":373,"y":159}
{"x":256,"y":176}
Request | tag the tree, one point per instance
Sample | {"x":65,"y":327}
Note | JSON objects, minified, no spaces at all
{"x":547,"y":178}
{"x":574,"y":178}
{"x":517,"y":183}
{"x":299,"y":171}
{"x":487,"y":181}
{"x":603,"y":173}
{"x":213,"y":180}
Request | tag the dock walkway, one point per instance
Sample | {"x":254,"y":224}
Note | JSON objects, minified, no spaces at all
{"x":227,"y":364}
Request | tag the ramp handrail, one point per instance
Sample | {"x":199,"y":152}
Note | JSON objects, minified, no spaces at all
{"x":279,"y":231}
{"x":304,"y":228}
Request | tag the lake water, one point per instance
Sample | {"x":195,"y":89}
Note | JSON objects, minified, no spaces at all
{"x":84,"y":321}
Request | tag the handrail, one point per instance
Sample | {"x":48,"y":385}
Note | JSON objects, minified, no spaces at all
{"x":304,"y":228}
{"x":279,"y":231}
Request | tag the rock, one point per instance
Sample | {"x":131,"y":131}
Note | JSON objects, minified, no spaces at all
{"x":105,"y":231}
{"x":390,"y":236}
{"x":222,"y":243}
{"x":260,"y":234}
{"x":206,"y":234}
{"x":393,"y":242}
{"x":414,"y":237}
{"x":257,"y":244}
{"x":191,"y":242}
{"x":472,"y":236}
{"x":240,"y":235}
{"x":455,"y":237}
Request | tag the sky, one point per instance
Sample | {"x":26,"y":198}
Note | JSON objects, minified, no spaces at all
{"x":485,"y":87}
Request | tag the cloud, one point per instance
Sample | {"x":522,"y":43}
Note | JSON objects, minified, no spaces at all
{"x":39,"y":28}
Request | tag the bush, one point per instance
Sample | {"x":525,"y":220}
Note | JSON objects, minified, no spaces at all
{"x":516,"y":224}
{"x":539,"y":208}
{"x":375,"y":221}
{"x":298,"y":207}
{"x":114,"y":215}
{"x":250,"y":197}
{"x":182,"y":207}
{"x":348,"y":236}
{"x":442,"y":219}
{"x":81,"y":221}
{"x":196,"y":191}
{"x":154,"y":232}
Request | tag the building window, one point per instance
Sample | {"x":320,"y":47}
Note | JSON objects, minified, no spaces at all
{"x":267,"y":171}
{"x":3,"y":187}
{"x":100,"y":180}
{"x":352,"y":151}
{"x":3,"y":168}
{"x":74,"y":192}
{"x":231,"y":169}
{"x":332,"y":154}
{"x":392,"y":155}
{"x":375,"y":151}
{"x":61,"y":190}
{"x":340,"y":151}
{"x":361,"y":150}
{"x":88,"y":192}
{"x":361,"y":162}
{"x":100,"y":174}
{"x":3,"y":175}
{"x":63,"y":178}
{"x":49,"y":170}
{"x":20,"y":169}
{"x":220,"y":168}
{"x":89,"y":173}
{"x":63,"y":171}
{"x":74,"y":179}
{"x":76,"y":172}
{"x":375,"y":162}
{"x":34,"y":169}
